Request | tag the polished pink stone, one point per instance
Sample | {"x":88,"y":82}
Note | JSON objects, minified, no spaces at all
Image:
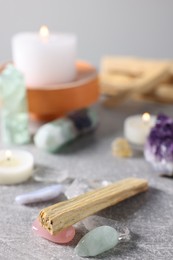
{"x":63,"y":237}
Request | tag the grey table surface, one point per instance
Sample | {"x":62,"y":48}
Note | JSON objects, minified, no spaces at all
{"x":149,"y":216}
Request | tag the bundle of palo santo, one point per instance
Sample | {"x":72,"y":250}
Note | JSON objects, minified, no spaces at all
{"x":127,"y":77}
{"x":59,"y":216}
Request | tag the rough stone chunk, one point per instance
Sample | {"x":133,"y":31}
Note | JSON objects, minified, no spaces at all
{"x":121,"y":148}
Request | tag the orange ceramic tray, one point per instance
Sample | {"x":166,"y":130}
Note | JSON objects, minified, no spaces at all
{"x":47,"y":103}
{"x":50,"y":102}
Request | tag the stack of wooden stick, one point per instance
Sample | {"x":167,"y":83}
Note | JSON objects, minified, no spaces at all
{"x":143,"y":79}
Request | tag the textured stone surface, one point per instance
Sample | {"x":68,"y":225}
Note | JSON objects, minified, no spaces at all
{"x":148,"y":215}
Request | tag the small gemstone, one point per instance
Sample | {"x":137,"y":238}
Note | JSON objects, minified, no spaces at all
{"x":51,"y":175}
{"x":97,"y":241}
{"x":159,"y":145}
{"x":121,"y":148}
{"x":63,"y":237}
{"x":40,"y":195}
{"x":14,"y":112}
{"x":94,"y":221}
{"x":81,"y":185}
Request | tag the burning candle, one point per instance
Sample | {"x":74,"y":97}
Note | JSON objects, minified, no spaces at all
{"x":45,"y":58}
{"x":137,"y":128}
{"x":15,"y":166}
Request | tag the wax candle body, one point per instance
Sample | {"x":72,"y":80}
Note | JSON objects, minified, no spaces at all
{"x":45,"y":60}
{"x":136,"y":130}
{"x":16,"y":167}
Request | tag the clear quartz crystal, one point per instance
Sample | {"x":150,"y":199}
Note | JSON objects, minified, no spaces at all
{"x":51,"y":175}
{"x":14,"y":114}
{"x":97,"y":221}
{"x":80,"y":186}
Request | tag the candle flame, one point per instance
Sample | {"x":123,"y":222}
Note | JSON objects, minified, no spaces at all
{"x":146,"y":117}
{"x":44,"y":31}
{"x":8,"y":154}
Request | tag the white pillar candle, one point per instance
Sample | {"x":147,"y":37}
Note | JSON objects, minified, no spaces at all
{"x":137,"y":128}
{"x":45,"y":58}
{"x":15,"y":166}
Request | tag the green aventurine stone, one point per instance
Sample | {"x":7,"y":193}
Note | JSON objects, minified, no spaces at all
{"x":14,"y":113}
{"x":97,"y":241}
{"x":53,"y":135}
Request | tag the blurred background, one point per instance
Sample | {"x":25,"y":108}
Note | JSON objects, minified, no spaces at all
{"x":142,"y":28}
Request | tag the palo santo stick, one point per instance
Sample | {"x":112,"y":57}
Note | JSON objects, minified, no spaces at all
{"x":64,"y":214}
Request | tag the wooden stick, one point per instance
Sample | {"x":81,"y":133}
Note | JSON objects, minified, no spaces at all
{"x":59,"y":216}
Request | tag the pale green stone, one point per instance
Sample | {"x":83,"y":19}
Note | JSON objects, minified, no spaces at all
{"x":93,"y":115}
{"x":53,"y":135}
{"x":97,"y":241}
{"x":69,"y":133}
{"x":14,"y":113}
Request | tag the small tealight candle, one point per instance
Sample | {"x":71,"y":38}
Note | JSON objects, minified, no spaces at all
{"x":15,"y":166}
{"x":137,"y":128}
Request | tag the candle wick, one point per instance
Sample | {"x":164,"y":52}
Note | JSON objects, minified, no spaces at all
{"x":146,"y":118}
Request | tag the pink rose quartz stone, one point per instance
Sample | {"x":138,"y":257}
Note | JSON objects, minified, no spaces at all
{"x":63,"y":237}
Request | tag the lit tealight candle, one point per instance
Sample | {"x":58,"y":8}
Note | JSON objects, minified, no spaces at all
{"x":44,"y":32}
{"x":137,"y":128}
{"x":15,"y":166}
{"x":45,"y":58}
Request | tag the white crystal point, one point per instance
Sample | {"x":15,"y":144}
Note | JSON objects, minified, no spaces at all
{"x":44,"y":194}
{"x":51,"y":175}
{"x":94,"y":221}
{"x":97,"y":241}
{"x":82,"y":185}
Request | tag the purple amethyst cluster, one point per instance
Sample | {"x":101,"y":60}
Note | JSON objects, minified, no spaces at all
{"x":159,"y":145}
